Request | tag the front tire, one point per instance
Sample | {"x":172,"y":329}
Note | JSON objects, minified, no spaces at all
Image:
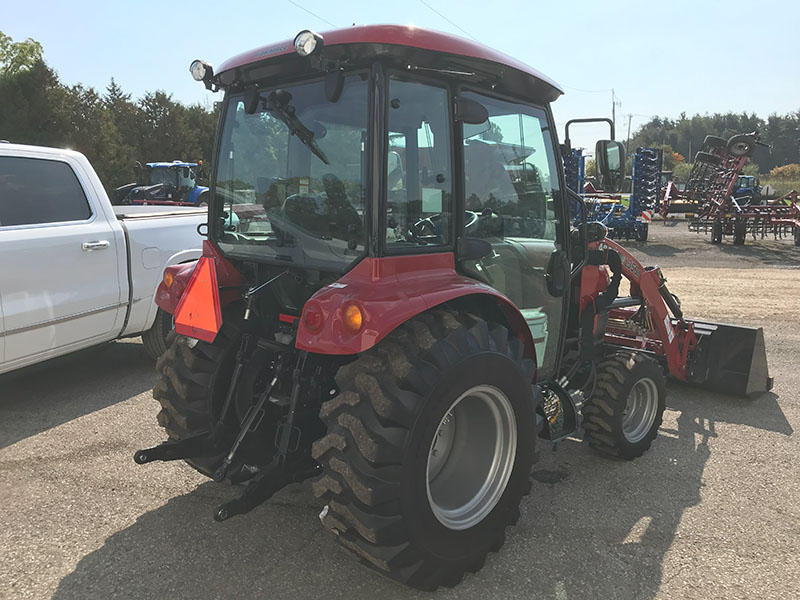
{"x":621,"y":419}
{"x":429,"y":448}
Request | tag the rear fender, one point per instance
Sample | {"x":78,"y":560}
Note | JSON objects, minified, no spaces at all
{"x":167,"y":297}
{"x":389,"y":292}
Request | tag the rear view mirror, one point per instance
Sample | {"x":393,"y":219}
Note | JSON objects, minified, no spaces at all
{"x":469,"y":111}
{"x":595,"y":232}
{"x":610,"y":157}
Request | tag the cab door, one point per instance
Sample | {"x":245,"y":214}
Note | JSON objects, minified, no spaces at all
{"x":512,"y":197}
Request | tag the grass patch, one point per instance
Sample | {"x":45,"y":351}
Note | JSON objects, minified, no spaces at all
{"x":783,"y":186}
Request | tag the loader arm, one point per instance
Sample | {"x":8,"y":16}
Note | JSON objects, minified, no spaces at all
{"x":650,"y":319}
{"x":726,"y":358}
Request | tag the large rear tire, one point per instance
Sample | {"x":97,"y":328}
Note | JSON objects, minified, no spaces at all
{"x":621,"y":419}
{"x":429,"y":448}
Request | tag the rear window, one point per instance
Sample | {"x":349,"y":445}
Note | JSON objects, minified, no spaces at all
{"x":34,"y":191}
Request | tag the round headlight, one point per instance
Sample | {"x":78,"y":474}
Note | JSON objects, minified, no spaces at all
{"x":306,"y":42}
{"x":198,"y":70}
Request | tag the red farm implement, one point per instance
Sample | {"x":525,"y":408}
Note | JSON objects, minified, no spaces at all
{"x":710,"y":195}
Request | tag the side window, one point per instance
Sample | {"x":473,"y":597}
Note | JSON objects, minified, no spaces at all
{"x":510,"y":172}
{"x":419,"y":180}
{"x":36,"y":191}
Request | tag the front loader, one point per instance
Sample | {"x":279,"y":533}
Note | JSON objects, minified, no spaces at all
{"x":392,"y":303}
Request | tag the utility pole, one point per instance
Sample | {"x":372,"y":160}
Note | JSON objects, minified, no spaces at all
{"x":614,"y":104}
{"x":628,"y":141}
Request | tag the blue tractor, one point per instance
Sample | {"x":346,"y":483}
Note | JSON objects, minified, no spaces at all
{"x":171,"y":183}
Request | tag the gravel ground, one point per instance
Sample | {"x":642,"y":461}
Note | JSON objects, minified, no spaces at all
{"x":712,"y":511}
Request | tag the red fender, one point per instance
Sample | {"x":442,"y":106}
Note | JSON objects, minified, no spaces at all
{"x":168,"y":296}
{"x":389,"y":292}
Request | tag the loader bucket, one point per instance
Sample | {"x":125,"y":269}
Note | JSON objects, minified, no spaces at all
{"x":730,"y":359}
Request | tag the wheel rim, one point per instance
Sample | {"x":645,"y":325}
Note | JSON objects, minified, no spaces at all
{"x":471,"y":457}
{"x":640,"y":410}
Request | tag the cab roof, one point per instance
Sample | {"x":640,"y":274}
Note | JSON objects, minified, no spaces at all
{"x":398,"y":35}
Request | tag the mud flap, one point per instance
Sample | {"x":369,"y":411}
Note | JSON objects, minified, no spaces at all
{"x":730,"y":359}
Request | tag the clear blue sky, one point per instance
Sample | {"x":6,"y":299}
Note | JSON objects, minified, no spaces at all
{"x":661,"y":58}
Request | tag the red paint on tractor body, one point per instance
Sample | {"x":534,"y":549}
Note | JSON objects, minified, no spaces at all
{"x":388,"y":292}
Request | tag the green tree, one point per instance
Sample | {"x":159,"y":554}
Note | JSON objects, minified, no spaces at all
{"x":18,"y":56}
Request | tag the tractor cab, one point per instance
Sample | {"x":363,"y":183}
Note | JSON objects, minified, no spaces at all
{"x":167,"y":183}
{"x":408,"y":146}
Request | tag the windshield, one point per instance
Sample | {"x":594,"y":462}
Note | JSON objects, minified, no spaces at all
{"x":290,"y":181}
{"x":163,"y":175}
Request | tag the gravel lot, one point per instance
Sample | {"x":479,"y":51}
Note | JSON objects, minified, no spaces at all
{"x":712,"y":511}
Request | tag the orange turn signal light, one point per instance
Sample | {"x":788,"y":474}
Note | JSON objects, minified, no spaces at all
{"x":168,"y":279}
{"x":353,"y":318}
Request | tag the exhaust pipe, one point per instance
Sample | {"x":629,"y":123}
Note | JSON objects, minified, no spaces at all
{"x":730,"y":359}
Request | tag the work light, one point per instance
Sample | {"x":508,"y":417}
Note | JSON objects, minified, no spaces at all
{"x":306,"y":42}
{"x":200,"y":69}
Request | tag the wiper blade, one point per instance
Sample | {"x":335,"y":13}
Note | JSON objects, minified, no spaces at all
{"x":279,"y":106}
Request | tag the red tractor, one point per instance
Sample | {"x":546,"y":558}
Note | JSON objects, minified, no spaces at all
{"x":391,"y":300}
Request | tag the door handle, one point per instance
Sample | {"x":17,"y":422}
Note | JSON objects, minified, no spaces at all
{"x":89,"y":246}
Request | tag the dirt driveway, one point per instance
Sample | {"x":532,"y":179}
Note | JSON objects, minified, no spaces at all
{"x":712,"y":511}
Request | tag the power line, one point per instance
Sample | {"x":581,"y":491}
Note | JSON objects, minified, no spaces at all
{"x":605,"y":91}
{"x":464,"y":31}
{"x":311,"y":13}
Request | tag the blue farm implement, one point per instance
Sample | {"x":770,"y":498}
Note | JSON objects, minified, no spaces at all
{"x":628,"y":221}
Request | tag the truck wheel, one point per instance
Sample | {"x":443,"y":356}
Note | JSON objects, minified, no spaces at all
{"x":739,"y":233}
{"x":155,"y":338}
{"x":713,"y":141}
{"x":741,"y":145}
{"x":707,"y":157}
{"x":192,"y":390}
{"x":716,"y":232}
{"x":641,"y":232}
{"x":622,"y":417}
{"x":797,"y":236}
{"x":429,"y":448}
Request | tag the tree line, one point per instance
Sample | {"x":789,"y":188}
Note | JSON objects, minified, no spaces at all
{"x":110,"y":128}
{"x":114,"y":131}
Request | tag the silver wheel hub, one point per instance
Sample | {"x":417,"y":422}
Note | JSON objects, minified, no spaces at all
{"x":471,"y":457}
{"x":640,"y":410}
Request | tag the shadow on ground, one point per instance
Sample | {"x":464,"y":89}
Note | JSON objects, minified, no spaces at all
{"x":49,"y":394}
{"x":776,"y":255}
{"x":591,"y":528}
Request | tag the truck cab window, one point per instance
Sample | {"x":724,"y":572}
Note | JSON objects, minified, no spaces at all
{"x":418,"y":179}
{"x":34,"y":191}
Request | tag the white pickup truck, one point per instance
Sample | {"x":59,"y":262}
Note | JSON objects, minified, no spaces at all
{"x":76,"y":271}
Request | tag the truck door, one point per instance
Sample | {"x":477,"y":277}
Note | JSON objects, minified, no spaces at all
{"x":513,"y":200}
{"x":59,"y":270}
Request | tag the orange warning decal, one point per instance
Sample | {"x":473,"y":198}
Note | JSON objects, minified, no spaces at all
{"x":198,"y":314}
